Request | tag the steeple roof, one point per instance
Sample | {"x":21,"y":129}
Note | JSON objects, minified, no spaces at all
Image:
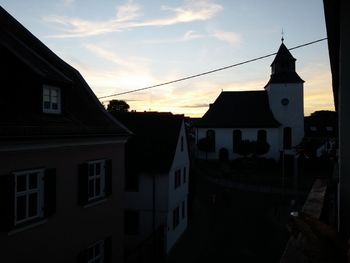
{"x":283,"y":67}
{"x":283,"y":55}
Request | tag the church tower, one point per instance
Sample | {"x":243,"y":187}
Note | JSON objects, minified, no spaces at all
{"x":286,"y":99}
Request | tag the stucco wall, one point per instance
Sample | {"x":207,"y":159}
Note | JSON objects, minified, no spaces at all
{"x":224,"y":139}
{"x":167,"y":198}
{"x":72,"y":228}
{"x":291,"y":115}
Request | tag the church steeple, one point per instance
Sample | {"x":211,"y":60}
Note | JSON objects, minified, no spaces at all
{"x":283,"y":67}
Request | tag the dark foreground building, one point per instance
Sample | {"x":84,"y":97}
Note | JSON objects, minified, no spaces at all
{"x":61,"y":159}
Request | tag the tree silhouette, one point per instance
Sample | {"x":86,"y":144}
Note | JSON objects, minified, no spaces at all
{"x":118,"y":106}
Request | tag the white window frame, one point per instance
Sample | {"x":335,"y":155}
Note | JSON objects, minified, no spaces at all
{"x":50,"y":109}
{"x":39,"y":190}
{"x":94,"y":256}
{"x":94,"y":177}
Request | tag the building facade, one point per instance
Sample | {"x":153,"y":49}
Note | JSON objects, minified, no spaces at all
{"x":268,"y":122}
{"x":61,"y":159}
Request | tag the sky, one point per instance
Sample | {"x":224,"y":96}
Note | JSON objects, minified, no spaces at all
{"x":119,"y":46}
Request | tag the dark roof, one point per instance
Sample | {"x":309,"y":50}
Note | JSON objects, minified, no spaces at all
{"x":321,"y":124}
{"x":283,"y":67}
{"x":153,"y":145}
{"x":28,"y":64}
{"x":239,"y":109}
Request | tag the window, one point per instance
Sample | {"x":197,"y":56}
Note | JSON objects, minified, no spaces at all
{"x":184,"y":175}
{"x":237,"y":138}
{"x":183,"y":208}
{"x":262,"y":136}
{"x":95,"y":181}
{"x":96,"y":252}
{"x":211,"y":140}
{"x":176,"y":217}
{"x":28,"y":195}
{"x":287,"y":138}
{"x":177,"y":177}
{"x":131,"y":222}
{"x":51,"y":99}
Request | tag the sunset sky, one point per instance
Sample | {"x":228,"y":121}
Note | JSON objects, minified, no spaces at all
{"x":122,"y":45}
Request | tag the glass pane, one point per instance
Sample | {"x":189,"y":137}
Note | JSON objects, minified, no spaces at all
{"x":47,"y":105}
{"x":98,"y":186}
{"x":21,"y":207}
{"x":33,"y":180}
{"x":33,"y":205}
{"x":91,"y":170}
{"x":46,"y":92}
{"x":91,"y":188}
{"x":54,"y":106}
{"x":98,"y":168}
{"x":21,"y":183}
{"x":53,"y":93}
{"x":54,"y":100}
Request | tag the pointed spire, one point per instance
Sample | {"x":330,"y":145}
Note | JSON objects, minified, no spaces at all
{"x":282,"y":39}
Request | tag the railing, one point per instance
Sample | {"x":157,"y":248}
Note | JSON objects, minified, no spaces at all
{"x":295,"y":248}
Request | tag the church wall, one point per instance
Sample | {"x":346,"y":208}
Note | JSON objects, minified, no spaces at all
{"x":224,"y":139}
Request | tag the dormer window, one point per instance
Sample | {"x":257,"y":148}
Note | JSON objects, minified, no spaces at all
{"x":51,"y":99}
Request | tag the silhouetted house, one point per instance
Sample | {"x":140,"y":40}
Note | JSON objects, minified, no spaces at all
{"x":321,"y":133}
{"x":273,"y":119}
{"x":156,"y":183}
{"x":61,"y":159}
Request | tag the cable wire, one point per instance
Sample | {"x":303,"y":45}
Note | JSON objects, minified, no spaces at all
{"x":208,"y":72}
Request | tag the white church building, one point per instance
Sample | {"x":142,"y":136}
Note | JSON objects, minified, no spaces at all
{"x":274,"y":115}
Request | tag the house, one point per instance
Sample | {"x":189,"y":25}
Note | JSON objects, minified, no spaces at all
{"x":273,"y":118}
{"x":321,"y":132}
{"x":61,"y":159}
{"x":157,"y":177}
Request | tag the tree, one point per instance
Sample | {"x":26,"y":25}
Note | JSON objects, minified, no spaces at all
{"x":118,"y":106}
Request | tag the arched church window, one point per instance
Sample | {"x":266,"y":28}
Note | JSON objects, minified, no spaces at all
{"x":287,"y":138}
{"x":237,"y":138}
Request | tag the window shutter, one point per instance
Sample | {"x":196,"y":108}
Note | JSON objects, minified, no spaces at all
{"x":7,"y":202}
{"x":108,"y":177}
{"x":108,"y":249}
{"x":49,"y":192}
{"x":83,"y":256}
{"x":83,"y":184}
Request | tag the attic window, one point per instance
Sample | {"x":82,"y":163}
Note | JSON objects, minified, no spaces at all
{"x":51,"y":99}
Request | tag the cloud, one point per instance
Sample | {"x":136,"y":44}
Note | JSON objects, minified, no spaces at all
{"x":126,"y":18}
{"x":129,"y":63}
{"x":67,"y":3}
{"x":231,"y":38}
{"x":198,"y":105}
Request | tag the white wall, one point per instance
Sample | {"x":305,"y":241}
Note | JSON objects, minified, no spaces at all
{"x":179,"y":194}
{"x":167,"y":198}
{"x":224,"y":139}
{"x":291,"y":115}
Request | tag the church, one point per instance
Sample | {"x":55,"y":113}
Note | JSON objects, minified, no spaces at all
{"x":264,"y":122}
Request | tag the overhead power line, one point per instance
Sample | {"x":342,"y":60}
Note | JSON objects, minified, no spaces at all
{"x":208,"y":72}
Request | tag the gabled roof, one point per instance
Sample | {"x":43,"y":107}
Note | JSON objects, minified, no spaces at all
{"x":153,"y":145}
{"x":83,"y":114}
{"x":239,"y":109}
